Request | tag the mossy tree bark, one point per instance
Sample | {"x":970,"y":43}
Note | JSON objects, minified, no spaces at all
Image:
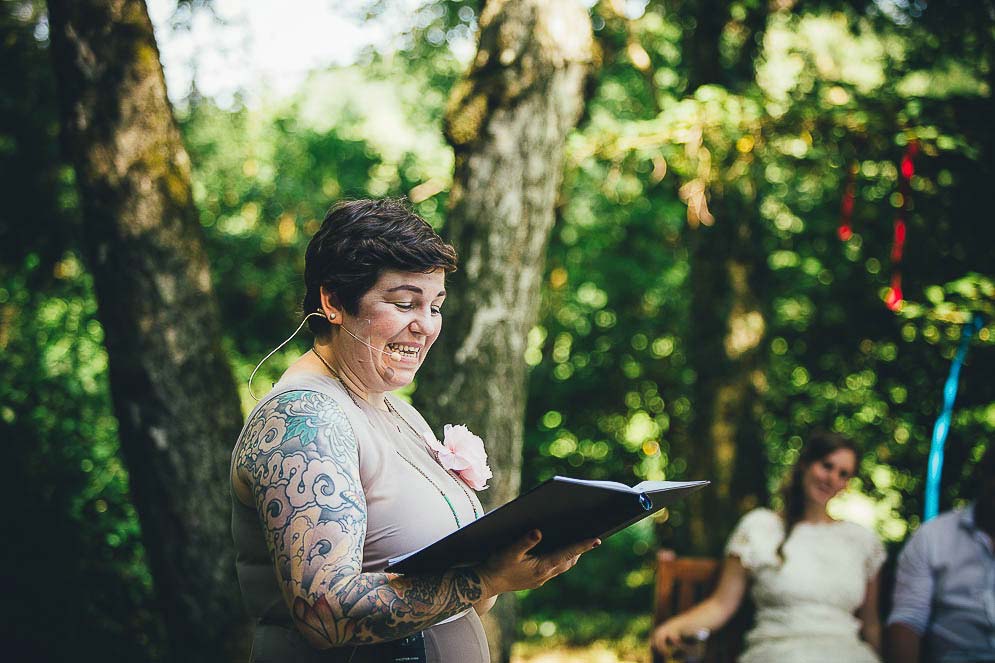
{"x":173,"y":392}
{"x":508,"y":122}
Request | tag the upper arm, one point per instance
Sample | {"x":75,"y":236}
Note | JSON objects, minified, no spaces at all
{"x":868,"y":610}
{"x":870,"y":627}
{"x":875,"y":556}
{"x":913,"y":586}
{"x":302,"y":462}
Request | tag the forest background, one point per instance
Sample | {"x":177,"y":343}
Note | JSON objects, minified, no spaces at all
{"x":717,"y":281}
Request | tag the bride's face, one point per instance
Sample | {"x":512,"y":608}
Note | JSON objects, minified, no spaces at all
{"x":826,"y":477}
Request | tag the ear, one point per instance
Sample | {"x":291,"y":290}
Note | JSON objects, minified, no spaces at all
{"x":331,"y":306}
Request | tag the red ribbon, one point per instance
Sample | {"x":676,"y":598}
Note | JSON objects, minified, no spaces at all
{"x":906,"y":167}
{"x":898,"y":241}
{"x":845,"y":229}
{"x":894,"y":299}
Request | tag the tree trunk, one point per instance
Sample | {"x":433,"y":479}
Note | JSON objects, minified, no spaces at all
{"x":728,"y":324}
{"x":173,"y":392}
{"x":725,"y":348}
{"x":701,"y":43}
{"x":508,"y":121}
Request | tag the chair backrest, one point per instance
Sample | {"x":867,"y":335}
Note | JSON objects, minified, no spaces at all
{"x":681,"y":582}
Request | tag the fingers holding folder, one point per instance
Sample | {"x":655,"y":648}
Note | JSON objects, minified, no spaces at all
{"x":516,"y":567}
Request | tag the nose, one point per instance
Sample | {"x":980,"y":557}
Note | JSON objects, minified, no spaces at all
{"x":421,"y":323}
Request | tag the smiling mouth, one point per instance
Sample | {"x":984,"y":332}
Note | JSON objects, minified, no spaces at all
{"x":406,"y":351}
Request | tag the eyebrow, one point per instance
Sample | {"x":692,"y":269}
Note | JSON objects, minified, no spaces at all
{"x":414,"y":289}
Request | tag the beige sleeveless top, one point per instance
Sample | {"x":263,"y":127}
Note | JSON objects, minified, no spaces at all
{"x":405,"y":511}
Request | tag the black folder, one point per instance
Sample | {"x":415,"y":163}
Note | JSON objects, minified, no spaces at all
{"x":565,"y":510}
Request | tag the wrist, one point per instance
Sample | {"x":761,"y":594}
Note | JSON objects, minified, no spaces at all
{"x":489,"y":587}
{"x":678,"y":623}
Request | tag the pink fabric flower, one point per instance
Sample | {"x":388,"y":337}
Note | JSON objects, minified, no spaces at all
{"x":463,"y":453}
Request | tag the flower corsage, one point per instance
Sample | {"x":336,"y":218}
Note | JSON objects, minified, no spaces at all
{"x":463,"y":453}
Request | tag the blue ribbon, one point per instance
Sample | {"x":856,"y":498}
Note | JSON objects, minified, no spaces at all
{"x":934,"y":469}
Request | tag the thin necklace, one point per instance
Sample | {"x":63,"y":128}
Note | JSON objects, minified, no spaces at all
{"x":436,"y":486}
{"x":459,"y":482}
{"x":391,"y":408}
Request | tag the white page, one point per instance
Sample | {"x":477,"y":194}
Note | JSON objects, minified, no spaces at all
{"x":661,"y":486}
{"x":611,"y":485}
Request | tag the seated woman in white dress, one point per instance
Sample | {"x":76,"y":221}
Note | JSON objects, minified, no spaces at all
{"x":814,"y":579}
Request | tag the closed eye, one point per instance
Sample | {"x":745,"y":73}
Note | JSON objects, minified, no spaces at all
{"x":409,"y":306}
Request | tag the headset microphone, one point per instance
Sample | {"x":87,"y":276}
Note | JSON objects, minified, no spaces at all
{"x":388,"y":370}
{"x":394,"y":355}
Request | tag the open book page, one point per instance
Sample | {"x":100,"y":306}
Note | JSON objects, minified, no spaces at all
{"x":643,"y":487}
{"x":611,"y":485}
{"x":661,"y":486}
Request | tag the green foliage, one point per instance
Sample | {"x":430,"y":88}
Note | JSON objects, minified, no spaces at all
{"x":76,"y":552}
{"x":655,"y":160}
{"x":611,"y":388}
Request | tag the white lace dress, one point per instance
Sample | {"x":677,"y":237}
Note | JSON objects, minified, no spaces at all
{"x":805,"y":606}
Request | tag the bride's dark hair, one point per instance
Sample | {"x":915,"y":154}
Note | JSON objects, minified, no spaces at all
{"x":818,"y":445}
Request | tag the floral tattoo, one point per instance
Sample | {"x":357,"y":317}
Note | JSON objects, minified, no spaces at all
{"x":301,"y":456}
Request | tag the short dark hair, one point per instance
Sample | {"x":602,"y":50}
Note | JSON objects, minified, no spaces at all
{"x":357,"y":242}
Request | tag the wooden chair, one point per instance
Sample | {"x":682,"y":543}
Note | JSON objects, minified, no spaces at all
{"x":683,"y":582}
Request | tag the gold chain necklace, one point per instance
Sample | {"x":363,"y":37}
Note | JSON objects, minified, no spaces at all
{"x":394,"y":411}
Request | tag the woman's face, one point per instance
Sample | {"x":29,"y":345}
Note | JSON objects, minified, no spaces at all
{"x":826,"y":477}
{"x":400,"y":317}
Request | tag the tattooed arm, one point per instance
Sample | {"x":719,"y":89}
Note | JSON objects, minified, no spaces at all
{"x":300,"y":457}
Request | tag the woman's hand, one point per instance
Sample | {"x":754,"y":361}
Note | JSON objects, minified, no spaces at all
{"x":667,"y":636}
{"x":712,"y":613}
{"x":514,"y":568}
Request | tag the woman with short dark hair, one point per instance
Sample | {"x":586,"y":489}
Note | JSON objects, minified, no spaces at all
{"x":814,"y":579}
{"x":332,"y":476}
